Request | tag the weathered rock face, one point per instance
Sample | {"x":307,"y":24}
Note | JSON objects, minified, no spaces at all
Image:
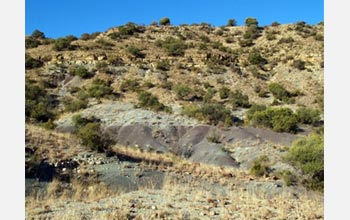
{"x":151,"y":131}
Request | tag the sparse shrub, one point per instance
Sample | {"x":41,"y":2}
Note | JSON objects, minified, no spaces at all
{"x":166,"y":85}
{"x":231,"y":22}
{"x":279,"y":92}
{"x":99,"y":88}
{"x":79,"y":121}
{"x":256,"y":59}
{"x":288,"y":177}
{"x":163,"y":65}
{"x":216,"y":69}
{"x":229,"y":40}
{"x":164,"y":21}
{"x":173,"y":46}
{"x":102,"y":66}
{"x":260,"y":166}
{"x":62,"y":44}
{"x":31,"y":63}
{"x":238,"y":99}
{"x":149,"y":101}
{"x":308,"y":116}
{"x":252,"y":110}
{"x":130,"y":84}
{"x":286,"y":40}
{"x":31,"y":42}
{"x":204,"y":38}
{"x":214,"y":138}
{"x":275,"y":24}
{"x":85,"y":36}
{"x":224,"y":92}
{"x":270,"y":36}
{"x":105,"y":44}
{"x":72,"y":105}
{"x":319,"y":37}
{"x":246,"y":43}
{"x":80,"y":71}
{"x":182,"y":91}
{"x":307,"y":153}
{"x":299,"y":64}
{"x":207,"y":98}
{"x":135,"y":51}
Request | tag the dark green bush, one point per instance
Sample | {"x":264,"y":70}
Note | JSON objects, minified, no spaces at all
{"x":299,"y":64}
{"x":79,"y":121}
{"x":164,"y":21}
{"x":31,"y":43}
{"x":36,"y":34}
{"x":91,"y":136}
{"x":231,"y":22}
{"x":63,"y":44}
{"x":72,"y":105}
{"x":99,"y":88}
{"x":260,"y":166}
{"x":308,"y":116}
{"x":254,"y":108}
{"x":256,"y":59}
{"x":151,"y":102}
{"x":280,"y":92}
{"x":286,"y":40}
{"x":38,"y":104}
{"x":136,"y":52}
{"x":182,"y":91}
{"x":31,"y":63}
{"x":163,"y":65}
{"x":251,"y":21}
{"x":173,"y":46}
{"x":278,"y":119}
{"x":288,"y":177}
{"x":212,"y":113}
{"x":224,"y":92}
{"x":307,"y":153}
{"x":80,"y":71}
{"x":130,"y":84}
{"x":246,"y":43}
{"x":238,"y":99}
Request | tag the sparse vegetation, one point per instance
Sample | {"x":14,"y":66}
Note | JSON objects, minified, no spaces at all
{"x":149,"y":101}
{"x":260,"y":166}
{"x":99,"y":88}
{"x":31,"y":63}
{"x":173,"y":46}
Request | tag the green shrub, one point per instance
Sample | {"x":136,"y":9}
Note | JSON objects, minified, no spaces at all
{"x":63,"y":44}
{"x":214,"y":138}
{"x":91,"y":136}
{"x":308,"y":116}
{"x":251,"y":21}
{"x":130,"y":84}
{"x":252,"y":110}
{"x":164,"y":21}
{"x":319,"y":37}
{"x":212,"y":113}
{"x":182,"y":91}
{"x":270,"y":36}
{"x":135,"y":51}
{"x":151,"y":102}
{"x":256,"y":59}
{"x":36,"y":34}
{"x":208,"y":96}
{"x":231,"y":22}
{"x":31,"y":63}
{"x":173,"y":46}
{"x":260,"y":166}
{"x":280,"y":92}
{"x":278,"y":119}
{"x":246,"y":43}
{"x":99,"y":88}
{"x":79,"y":121}
{"x":31,"y":43}
{"x":216,"y":69}
{"x":286,"y":40}
{"x":72,"y":105}
{"x":38,"y":104}
{"x":163,"y":65}
{"x":82,"y":72}
{"x":288,"y":177}
{"x":307,"y":153}
{"x":299,"y":64}
{"x":224,"y":92}
{"x":238,"y":99}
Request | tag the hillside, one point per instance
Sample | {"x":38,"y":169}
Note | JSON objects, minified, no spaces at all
{"x":176,"y":122}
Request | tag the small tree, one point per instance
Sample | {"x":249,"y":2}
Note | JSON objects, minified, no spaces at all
{"x":231,"y":22}
{"x":38,"y":34}
{"x":164,"y":21}
{"x":251,"y":21}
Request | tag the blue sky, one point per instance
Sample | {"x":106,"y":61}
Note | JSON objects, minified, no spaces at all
{"x":58,"y":18}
